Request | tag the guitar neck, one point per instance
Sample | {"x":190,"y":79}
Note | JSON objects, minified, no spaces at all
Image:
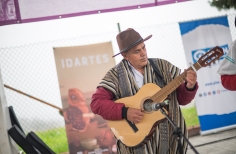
{"x":171,"y":86}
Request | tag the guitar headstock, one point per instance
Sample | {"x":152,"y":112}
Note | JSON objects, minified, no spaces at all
{"x":211,"y":56}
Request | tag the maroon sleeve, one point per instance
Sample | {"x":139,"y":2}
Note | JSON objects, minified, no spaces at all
{"x":102,"y":104}
{"x":229,"y":82}
{"x":184,"y":95}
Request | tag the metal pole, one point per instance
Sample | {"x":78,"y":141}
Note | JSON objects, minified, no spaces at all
{"x":60,"y":109}
{"x":118,"y":24}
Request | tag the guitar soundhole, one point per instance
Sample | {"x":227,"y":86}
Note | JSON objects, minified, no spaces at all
{"x":147,"y":106}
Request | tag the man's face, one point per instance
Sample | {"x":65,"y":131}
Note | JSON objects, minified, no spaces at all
{"x":137,"y":56}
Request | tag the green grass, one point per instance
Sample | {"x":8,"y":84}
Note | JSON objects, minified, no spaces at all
{"x":56,"y":139}
{"x":190,"y":116}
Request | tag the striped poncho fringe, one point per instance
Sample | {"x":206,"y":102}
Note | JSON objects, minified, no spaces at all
{"x":162,"y":140}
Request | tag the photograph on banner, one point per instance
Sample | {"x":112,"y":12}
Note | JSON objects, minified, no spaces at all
{"x":79,"y":70}
{"x":216,"y":107}
{"x":7,"y":10}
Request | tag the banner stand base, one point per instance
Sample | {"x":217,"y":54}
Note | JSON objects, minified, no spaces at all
{"x":212,"y":131}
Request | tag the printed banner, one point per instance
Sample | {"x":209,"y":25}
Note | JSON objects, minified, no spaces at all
{"x":8,"y":12}
{"x":80,"y":69}
{"x":23,"y":11}
{"x":216,"y":106}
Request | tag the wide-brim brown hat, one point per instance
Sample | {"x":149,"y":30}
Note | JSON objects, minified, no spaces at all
{"x":129,"y":39}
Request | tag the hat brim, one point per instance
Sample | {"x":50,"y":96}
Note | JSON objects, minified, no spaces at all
{"x":133,"y":45}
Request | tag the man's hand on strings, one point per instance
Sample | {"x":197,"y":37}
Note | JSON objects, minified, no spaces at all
{"x":191,"y":78}
{"x":134,"y":115}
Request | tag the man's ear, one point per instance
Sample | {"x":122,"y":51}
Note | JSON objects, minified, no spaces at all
{"x":124,"y":55}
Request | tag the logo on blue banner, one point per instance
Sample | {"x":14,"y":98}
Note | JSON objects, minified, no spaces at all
{"x":196,"y":54}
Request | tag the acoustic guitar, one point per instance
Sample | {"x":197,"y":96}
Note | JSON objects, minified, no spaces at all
{"x":133,"y":135}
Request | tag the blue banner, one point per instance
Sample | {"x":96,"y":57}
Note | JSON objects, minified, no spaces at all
{"x":216,"y":106}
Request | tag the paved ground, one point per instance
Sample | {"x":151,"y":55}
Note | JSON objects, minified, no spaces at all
{"x":218,"y":143}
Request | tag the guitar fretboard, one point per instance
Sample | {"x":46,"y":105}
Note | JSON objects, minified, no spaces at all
{"x":171,"y":86}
